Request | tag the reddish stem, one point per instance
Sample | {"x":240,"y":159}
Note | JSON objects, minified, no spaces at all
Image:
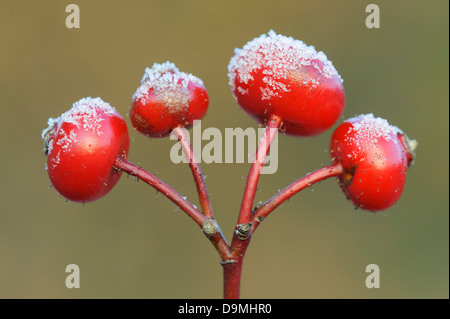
{"x":302,"y":183}
{"x":232,"y":257}
{"x":232,"y":279}
{"x":212,"y":232}
{"x":162,"y":187}
{"x":255,"y":171}
{"x":196,"y":171}
{"x":232,"y":272}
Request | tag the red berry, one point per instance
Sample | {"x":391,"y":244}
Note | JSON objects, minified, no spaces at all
{"x":375,"y":156}
{"x":274,"y":74}
{"x":82,"y":146}
{"x":167,"y":98}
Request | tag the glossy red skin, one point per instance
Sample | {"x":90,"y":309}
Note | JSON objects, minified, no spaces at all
{"x":375,"y":175}
{"x":85,"y":171}
{"x":153,"y":117}
{"x":305,"y":110}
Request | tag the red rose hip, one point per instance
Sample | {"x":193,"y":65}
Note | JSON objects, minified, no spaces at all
{"x":279,"y":75}
{"x":167,"y":98}
{"x":375,"y":157}
{"x":82,"y":146}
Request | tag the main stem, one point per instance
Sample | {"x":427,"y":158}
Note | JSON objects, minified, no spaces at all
{"x":232,"y":270}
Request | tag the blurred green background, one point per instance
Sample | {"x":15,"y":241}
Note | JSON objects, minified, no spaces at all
{"x":133,"y":244}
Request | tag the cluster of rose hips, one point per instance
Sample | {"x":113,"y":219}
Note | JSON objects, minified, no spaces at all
{"x":273,"y":76}
{"x":280,"y":82}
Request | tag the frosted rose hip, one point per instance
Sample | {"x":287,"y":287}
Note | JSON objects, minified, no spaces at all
{"x":82,"y":146}
{"x":375,"y":157}
{"x":167,"y":98}
{"x":275,"y":74}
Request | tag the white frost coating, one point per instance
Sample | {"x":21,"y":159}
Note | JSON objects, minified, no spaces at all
{"x":56,"y":159}
{"x":281,"y":55}
{"x":167,"y":83}
{"x":368,"y":129}
{"x":66,"y":139}
{"x":272,"y":88}
{"x":85,"y":114}
{"x":242,"y":91}
{"x":51,"y":122}
{"x":159,"y":68}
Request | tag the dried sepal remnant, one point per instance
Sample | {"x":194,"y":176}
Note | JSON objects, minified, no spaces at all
{"x":47,"y":134}
{"x":411,"y":146}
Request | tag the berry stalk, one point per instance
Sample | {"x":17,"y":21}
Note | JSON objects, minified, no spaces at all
{"x":270,"y":132}
{"x":156,"y":183}
{"x":232,"y":271}
{"x":319,"y":175}
{"x":196,"y":171}
{"x":208,"y":225}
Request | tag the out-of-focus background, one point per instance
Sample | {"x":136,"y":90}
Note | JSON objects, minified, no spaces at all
{"x":134,"y":244}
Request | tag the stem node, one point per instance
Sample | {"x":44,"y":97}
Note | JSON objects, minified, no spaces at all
{"x":210,"y":227}
{"x":243,"y":231}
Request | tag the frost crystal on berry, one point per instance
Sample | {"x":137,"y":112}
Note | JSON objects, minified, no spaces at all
{"x":168,"y":84}
{"x":159,"y":68}
{"x":278,"y":56}
{"x":368,"y":128}
{"x":84,"y":113}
